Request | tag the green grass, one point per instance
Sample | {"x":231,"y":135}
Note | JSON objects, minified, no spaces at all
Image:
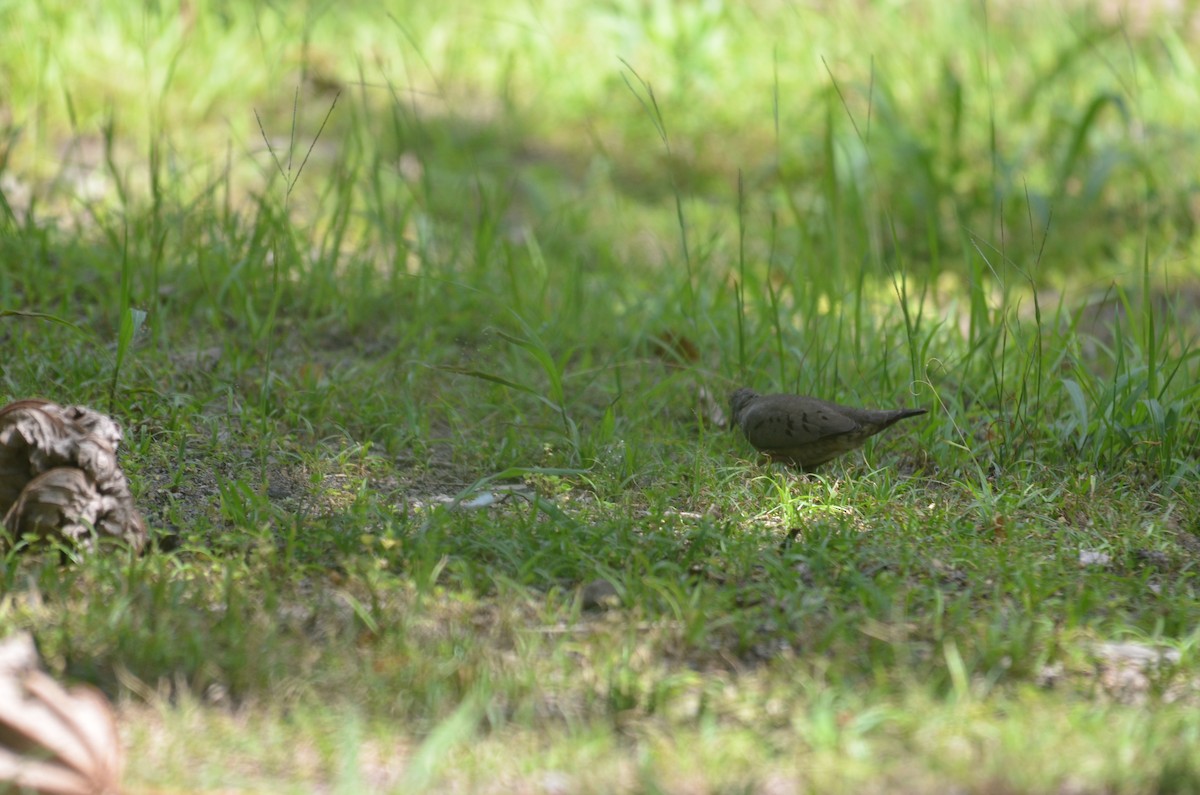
{"x":514,"y":251}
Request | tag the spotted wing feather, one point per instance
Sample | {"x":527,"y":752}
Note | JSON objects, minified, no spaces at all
{"x":782,"y":423}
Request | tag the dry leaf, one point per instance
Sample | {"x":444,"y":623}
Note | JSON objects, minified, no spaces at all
{"x":709,"y":408}
{"x":1094,"y":557}
{"x":1128,"y":670}
{"x":59,"y":477}
{"x":674,"y":348}
{"x":53,"y":741}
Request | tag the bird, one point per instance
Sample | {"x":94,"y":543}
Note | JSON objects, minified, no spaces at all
{"x":806,"y":431}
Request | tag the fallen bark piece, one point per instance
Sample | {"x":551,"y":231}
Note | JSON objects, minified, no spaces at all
{"x":59,"y":477}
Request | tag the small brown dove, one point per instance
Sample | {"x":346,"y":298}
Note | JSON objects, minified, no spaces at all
{"x":806,"y":431}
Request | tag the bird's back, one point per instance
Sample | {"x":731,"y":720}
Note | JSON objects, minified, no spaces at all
{"x":807,"y":431}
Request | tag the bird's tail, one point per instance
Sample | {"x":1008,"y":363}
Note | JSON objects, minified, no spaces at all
{"x":901,"y":414}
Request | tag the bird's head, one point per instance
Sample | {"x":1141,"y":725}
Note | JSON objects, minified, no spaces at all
{"x":738,"y":402}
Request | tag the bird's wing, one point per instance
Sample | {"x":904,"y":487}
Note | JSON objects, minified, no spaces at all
{"x":783,"y":424}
